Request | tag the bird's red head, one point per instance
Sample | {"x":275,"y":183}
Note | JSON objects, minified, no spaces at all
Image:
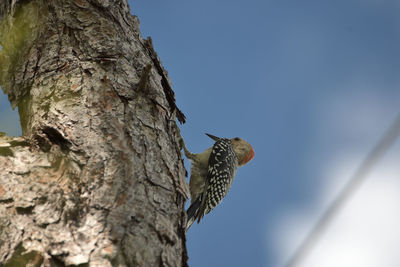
{"x":243,"y":150}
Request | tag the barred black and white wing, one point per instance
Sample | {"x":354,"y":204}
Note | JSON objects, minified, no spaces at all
{"x":222,"y":166}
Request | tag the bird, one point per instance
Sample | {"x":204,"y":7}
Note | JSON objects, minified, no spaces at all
{"x":212,"y":173}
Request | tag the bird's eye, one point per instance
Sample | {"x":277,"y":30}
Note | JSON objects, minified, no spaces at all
{"x":237,"y":139}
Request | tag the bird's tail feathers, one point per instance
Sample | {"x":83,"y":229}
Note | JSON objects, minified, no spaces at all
{"x":192,"y":212}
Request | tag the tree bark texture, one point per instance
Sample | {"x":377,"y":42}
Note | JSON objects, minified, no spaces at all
{"x":97,"y":178}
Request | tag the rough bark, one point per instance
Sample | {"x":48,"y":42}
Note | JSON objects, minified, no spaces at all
{"x":97,"y":178}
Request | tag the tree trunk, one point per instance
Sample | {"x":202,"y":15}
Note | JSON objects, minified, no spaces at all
{"x":98,"y":178}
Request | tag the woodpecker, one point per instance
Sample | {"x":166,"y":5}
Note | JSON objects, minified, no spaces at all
{"x":212,"y":173}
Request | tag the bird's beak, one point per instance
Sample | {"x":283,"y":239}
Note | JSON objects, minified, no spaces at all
{"x":213,"y":137}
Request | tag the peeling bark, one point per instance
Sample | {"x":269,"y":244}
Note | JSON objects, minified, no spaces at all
{"x":97,"y":178}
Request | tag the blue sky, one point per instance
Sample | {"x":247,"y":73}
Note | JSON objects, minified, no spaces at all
{"x":312,"y":85}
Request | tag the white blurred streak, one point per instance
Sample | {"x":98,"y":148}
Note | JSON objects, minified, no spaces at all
{"x":363,"y":232}
{"x":366,"y":232}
